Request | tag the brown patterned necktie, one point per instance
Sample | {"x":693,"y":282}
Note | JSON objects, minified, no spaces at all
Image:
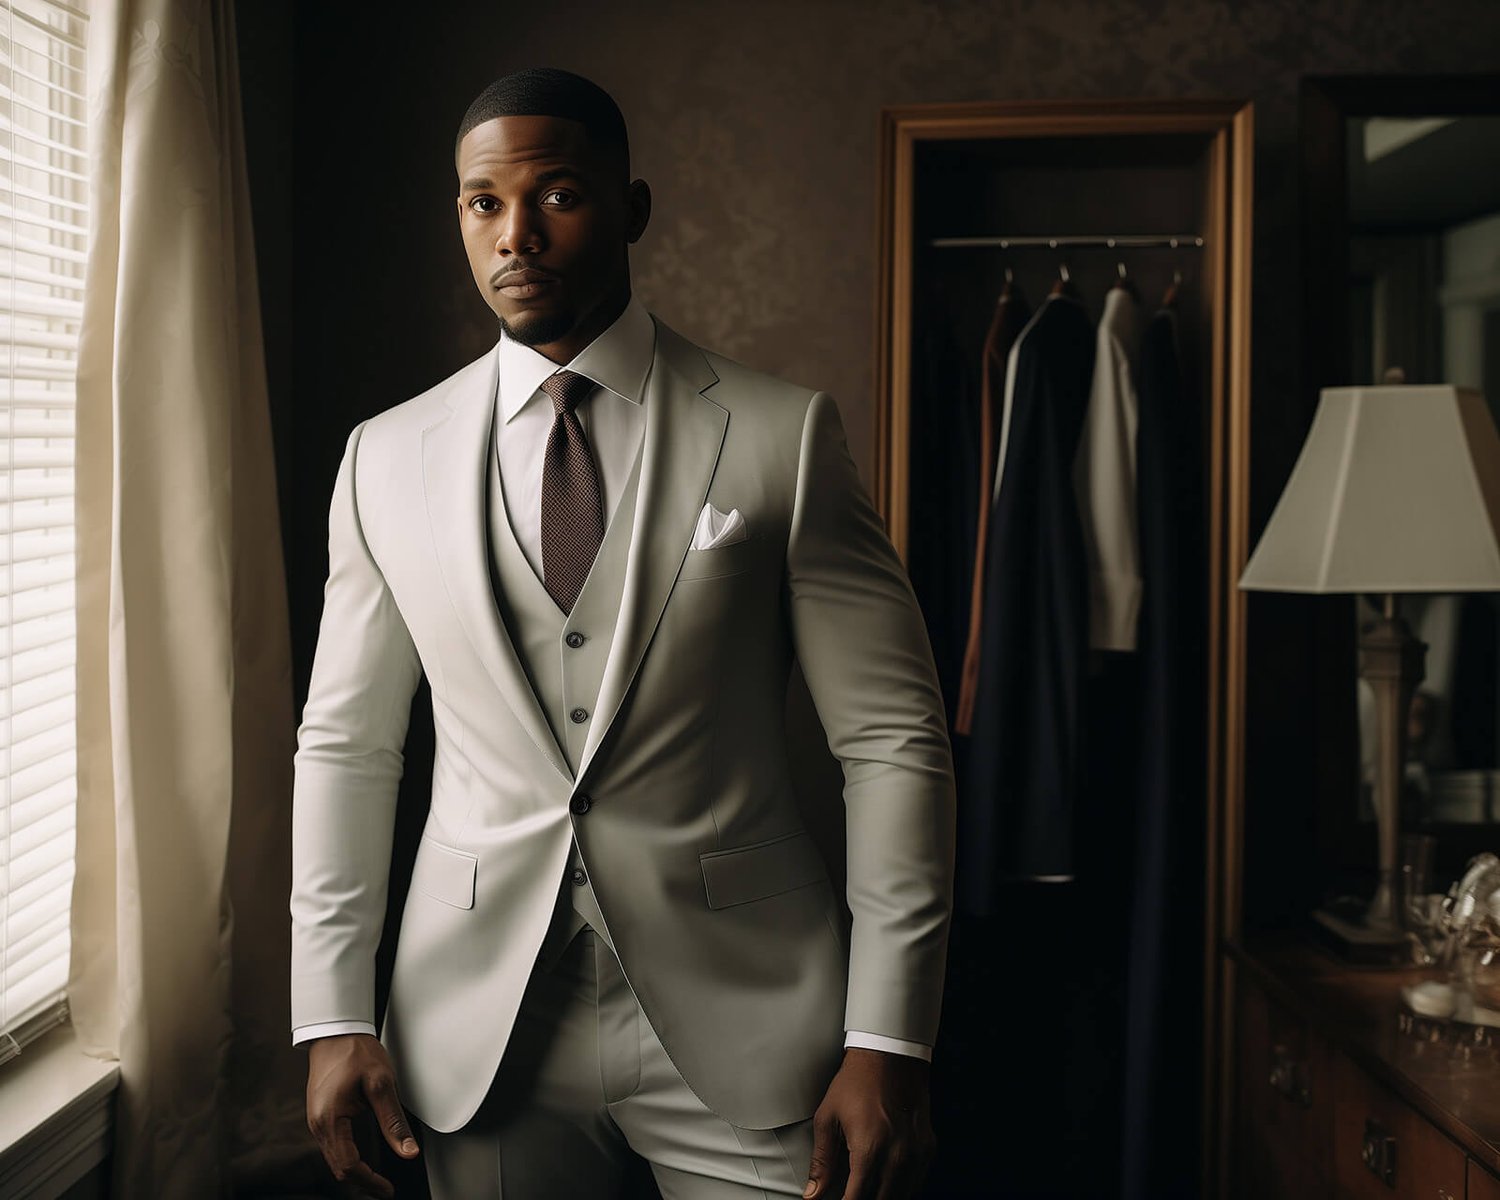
{"x":572,"y":510}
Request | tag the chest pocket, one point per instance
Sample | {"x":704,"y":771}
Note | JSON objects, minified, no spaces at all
{"x":733,"y":559}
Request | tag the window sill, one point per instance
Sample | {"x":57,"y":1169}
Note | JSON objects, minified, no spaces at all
{"x":56,"y":1113}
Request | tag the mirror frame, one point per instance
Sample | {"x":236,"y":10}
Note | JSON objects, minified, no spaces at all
{"x":1326,"y":104}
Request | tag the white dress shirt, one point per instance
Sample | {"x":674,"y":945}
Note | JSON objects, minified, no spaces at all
{"x":613,"y":417}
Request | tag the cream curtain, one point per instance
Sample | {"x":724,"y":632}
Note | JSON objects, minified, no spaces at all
{"x":185,"y":710}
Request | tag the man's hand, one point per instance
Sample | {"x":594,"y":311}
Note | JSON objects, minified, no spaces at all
{"x":873,"y":1129}
{"x":348,"y":1075}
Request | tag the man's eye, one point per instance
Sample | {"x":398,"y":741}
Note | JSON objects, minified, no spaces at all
{"x":566,"y":195}
{"x":482,"y":200}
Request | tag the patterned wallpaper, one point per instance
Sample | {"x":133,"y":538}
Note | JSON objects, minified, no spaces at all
{"x":755,"y":124}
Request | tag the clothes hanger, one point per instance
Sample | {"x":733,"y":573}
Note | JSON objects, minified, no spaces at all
{"x":1169,"y":299}
{"x":1125,"y":283}
{"x":1007,"y":288}
{"x":1064,"y":285}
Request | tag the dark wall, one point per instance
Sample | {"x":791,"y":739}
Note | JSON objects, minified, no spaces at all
{"x":755,"y":124}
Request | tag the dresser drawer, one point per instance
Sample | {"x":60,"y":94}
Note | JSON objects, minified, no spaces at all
{"x":1285,"y":1117}
{"x":1383,"y":1149}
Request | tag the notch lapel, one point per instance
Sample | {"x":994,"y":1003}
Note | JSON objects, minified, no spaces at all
{"x":454,"y":473}
{"x":683,"y":435}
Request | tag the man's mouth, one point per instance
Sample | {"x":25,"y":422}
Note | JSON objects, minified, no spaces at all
{"x":525,"y":282}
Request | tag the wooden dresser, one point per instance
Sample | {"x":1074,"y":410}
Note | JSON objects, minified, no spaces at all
{"x":1333,"y":1098}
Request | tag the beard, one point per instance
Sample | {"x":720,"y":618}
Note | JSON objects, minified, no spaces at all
{"x":539,"y":329}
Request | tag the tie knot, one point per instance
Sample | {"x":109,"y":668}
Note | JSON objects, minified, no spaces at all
{"x":567,"y":388}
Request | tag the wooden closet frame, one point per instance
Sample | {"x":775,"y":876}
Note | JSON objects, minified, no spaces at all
{"x":1227,"y":126}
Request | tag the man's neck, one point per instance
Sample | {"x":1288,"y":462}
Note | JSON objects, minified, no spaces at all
{"x":608,"y":311}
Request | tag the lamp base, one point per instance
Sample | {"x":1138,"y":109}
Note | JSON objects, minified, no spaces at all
{"x":1354,"y":942}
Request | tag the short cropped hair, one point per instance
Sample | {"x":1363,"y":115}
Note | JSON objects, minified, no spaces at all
{"x":552,"y":92}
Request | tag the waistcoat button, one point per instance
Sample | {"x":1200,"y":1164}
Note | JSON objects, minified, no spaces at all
{"x":579,"y":715}
{"x":578,"y":875}
{"x":574,"y":639}
{"x":581,"y":803}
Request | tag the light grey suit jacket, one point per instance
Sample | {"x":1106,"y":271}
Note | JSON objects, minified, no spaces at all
{"x":714,"y":893}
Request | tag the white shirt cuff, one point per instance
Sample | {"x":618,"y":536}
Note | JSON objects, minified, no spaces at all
{"x":878,"y":1041}
{"x":852,"y":1037}
{"x":306,"y":1033}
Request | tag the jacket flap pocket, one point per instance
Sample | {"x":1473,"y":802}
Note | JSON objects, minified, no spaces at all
{"x":762,"y":869}
{"x":444,"y":873}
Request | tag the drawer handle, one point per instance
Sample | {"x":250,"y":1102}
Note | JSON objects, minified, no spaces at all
{"x":1289,"y":1077}
{"x":1379,"y":1152}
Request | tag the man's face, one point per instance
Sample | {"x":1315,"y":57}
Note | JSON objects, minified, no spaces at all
{"x":534,"y":194}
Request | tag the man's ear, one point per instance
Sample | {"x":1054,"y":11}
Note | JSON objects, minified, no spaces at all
{"x":639,"y":204}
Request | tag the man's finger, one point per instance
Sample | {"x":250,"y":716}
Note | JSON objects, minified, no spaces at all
{"x":826,"y":1140}
{"x":352,"y":1172}
{"x":926,"y":1153}
{"x":897,"y":1179}
{"x":905,"y":1163}
{"x":863,"y":1175}
{"x":339,"y":1150}
{"x":381,"y":1093}
{"x":363,"y":1180}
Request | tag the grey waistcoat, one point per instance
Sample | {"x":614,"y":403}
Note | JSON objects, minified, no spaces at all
{"x":564,"y":677}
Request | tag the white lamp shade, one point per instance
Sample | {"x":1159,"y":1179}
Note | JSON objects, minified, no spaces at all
{"x":1397,"y":489}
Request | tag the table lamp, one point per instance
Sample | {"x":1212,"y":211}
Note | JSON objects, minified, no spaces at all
{"x":1397,"y":489}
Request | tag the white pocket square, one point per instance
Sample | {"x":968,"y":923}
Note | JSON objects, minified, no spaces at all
{"x":717,"y":529}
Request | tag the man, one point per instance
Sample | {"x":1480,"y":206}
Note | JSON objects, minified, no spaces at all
{"x":604,"y":545}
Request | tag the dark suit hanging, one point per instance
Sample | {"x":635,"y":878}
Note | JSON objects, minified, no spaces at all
{"x":1161,"y":1026}
{"x":1016,"y":811}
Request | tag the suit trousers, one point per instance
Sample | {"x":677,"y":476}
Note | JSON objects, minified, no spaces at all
{"x":583,"y":1084}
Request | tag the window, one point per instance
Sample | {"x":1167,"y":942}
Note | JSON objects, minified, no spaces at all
{"x":43,"y":238}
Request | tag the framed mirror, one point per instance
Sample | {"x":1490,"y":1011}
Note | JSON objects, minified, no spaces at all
{"x":1401,"y":253}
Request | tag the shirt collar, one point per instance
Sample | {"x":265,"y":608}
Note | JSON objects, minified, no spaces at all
{"x":618,"y":360}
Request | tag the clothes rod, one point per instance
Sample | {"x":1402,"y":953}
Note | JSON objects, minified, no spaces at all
{"x":1180,"y":240}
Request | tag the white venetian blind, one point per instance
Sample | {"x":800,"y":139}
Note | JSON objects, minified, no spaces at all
{"x":43,"y":239}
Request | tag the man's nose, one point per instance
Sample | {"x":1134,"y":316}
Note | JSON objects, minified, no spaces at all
{"x":519,"y":233}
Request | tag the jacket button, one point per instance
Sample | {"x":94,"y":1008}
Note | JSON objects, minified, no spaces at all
{"x":581,"y":803}
{"x":574,"y":639}
{"x":579,"y":715}
{"x":578,"y":875}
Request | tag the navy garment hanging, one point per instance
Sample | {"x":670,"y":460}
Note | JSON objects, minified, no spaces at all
{"x":1024,"y":754}
{"x":1162,"y":1020}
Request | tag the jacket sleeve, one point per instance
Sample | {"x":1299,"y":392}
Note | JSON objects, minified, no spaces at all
{"x":1104,"y":478}
{"x":863,"y":647}
{"x":346,"y":772}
